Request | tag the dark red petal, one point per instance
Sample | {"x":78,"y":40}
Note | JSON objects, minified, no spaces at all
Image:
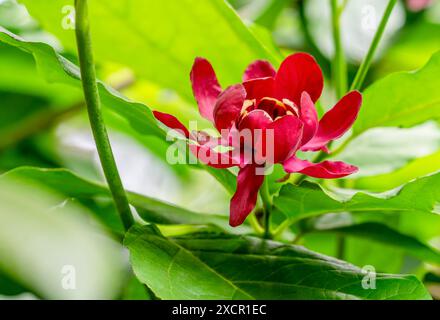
{"x":309,"y":117}
{"x":252,"y":129}
{"x":206,"y":87}
{"x":336,"y":122}
{"x":245,"y":198}
{"x":298,"y":73}
{"x":323,"y":170}
{"x":259,"y":69}
{"x":282,"y":139}
{"x":172,"y":122}
{"x":256,"y":119}
{"x":259,"y":88}
{"x":228,"y":106}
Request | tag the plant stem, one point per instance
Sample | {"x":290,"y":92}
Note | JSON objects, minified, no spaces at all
{"x":340,"y":247}
{"x":255,"y":224}
{"x":365,"y":66}
{"x":93,"y":102}
{"x":298,"y":238}
{"x":339,"y":68}
{"x":283,"y":227}
{"x":267,"y":206}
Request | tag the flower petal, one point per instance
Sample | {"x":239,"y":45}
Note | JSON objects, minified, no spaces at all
{"x":323,"y":170}
{"x":417,"y":5}
{"x":202,"y":145}
{"x":256,"y":119}
{"x":309,"y":117}
{"x":298,"y":73}
{"x":251,"y":130}
{"x":206,"y":87}
{"x":336,"y":122}
{"x":245,"y":198}
{"x":259,"y":69}
{"x":259,"y":88}
{"x":228,"y":106}
{"x":281,"y":139}
{"x":172,"y":122}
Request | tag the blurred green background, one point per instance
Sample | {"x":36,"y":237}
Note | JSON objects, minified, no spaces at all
{"x":145,"y":50}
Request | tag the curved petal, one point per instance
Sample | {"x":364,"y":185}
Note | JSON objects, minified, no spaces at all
{"x":245,"y":198}
{"x":259,"y":88}
{"x":309,"y":117}
{"x":228,"y":106}
{"x":280,"y":140}
{"x":256,"y":119}
{"x":206,"y":87}
{"x":323,"y":170}
{"x":298,"y":73}
{"x":259,"y":69}
{"x":172,"y":122}
{"x":336,"y":122}
{"x":251,"y":130}
{"x":203,"y":145}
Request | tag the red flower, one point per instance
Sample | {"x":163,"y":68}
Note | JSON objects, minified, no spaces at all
{"x":417,"y":5}
{"x":267,"y":101}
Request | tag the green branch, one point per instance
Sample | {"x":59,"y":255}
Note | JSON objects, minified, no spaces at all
{"x":93,"y":102}
{"x":366,"y":64}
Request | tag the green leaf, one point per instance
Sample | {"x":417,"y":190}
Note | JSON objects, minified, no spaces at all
{"x":378,"y":232}
{"x":414,"y":46}
{"x":174,"y":273}
{"x":422,"y":226}
{"x":149,"y":209}
{"x":58,"y":69}
{"x":29,"y":103}
{"x":160,"y":39}
{"x":417,"y":168}
{"x":309,"y":199}
{"x":9,"y":287}
{"x":19,"y":75}
{"x":357,"y":251}
{"x":383,"y":150}
{"x":48,"y":246}
{"x":155,"y":211}
{"x":134,"y":290}
{"x":402,"y":99}
{"x":209,"y":266}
